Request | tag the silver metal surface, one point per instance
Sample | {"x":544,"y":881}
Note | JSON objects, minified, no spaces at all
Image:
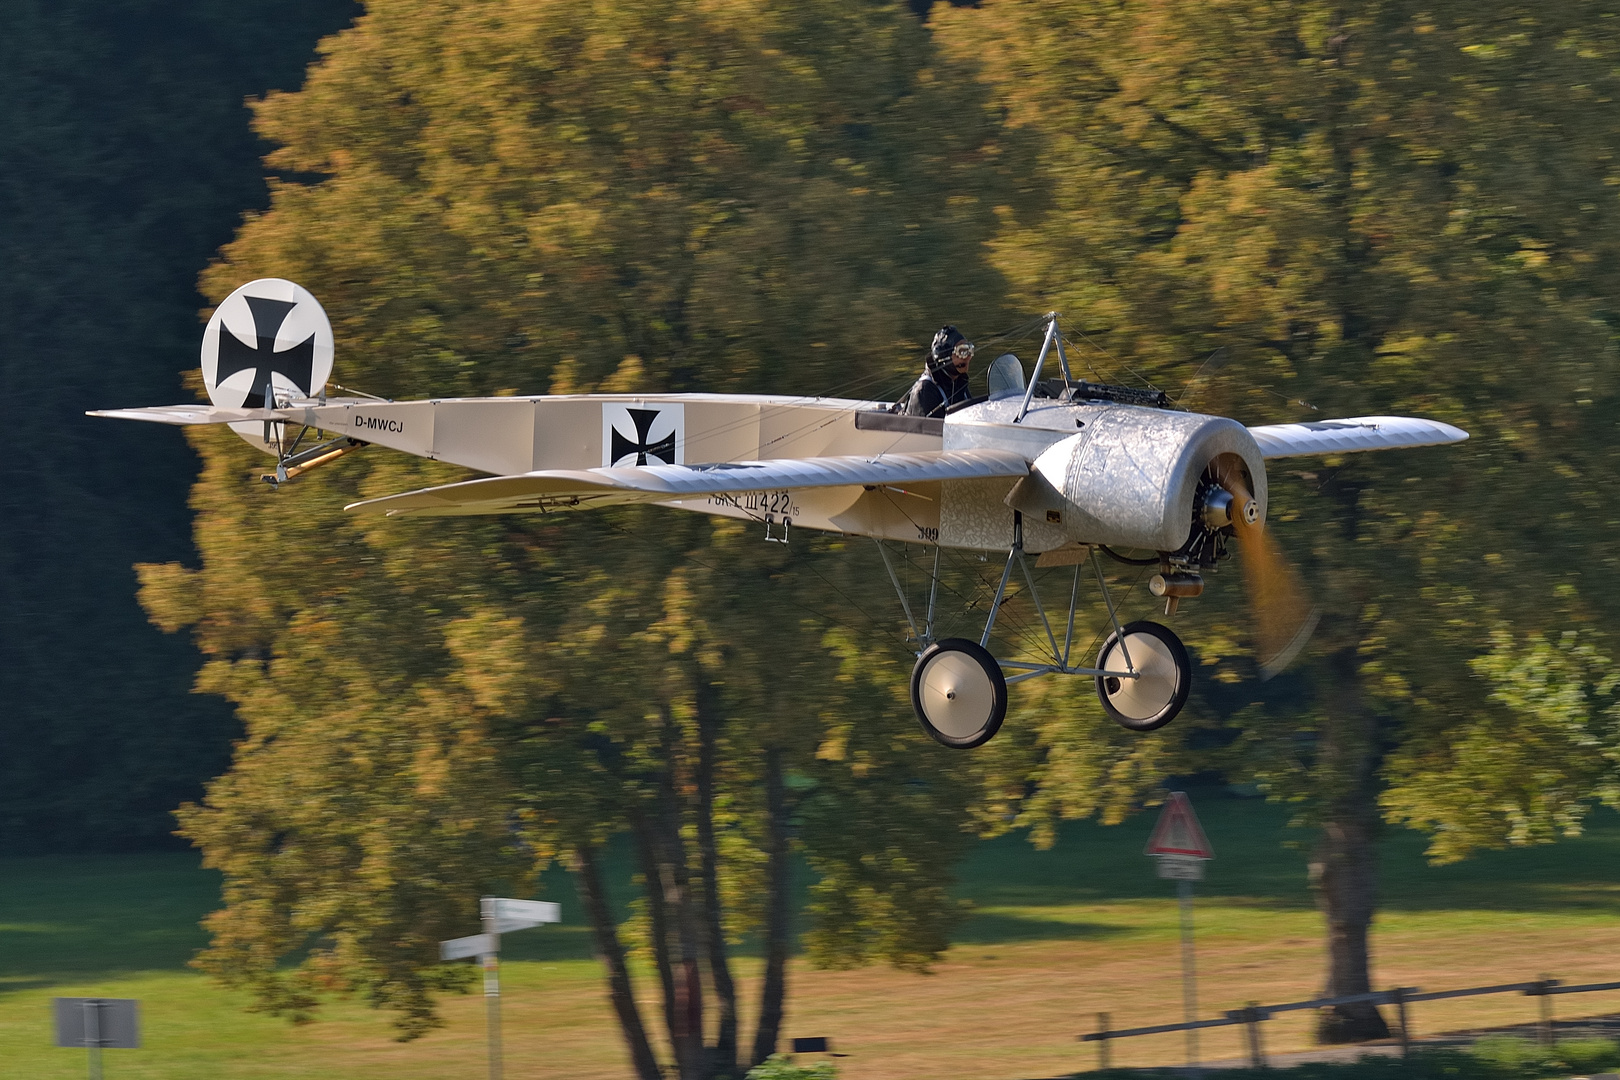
{"x":1352,"y":435}
{"x":905,"y":604}
{"x":1001,"y":591}
{"x":1216,"y":510}
{"x":1030,"y":671}
{"x":1113,"y":616}
{"x":1035,"y":595}
{"x":1063,"y":359}
{"x":1074,"y":599}
{"x":933,"y":593}
{"x":974,"y":514}
{"x":1059,"y":663}
{"x":1129,"y":476}
{"x":1040,"y":361}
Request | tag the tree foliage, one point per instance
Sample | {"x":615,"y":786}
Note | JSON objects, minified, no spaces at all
{"x":1272,"y":211}
{"x":1295,"y":211}
{"x":520,"y":196}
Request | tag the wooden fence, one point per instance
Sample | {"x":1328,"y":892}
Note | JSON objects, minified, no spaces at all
{"x":1401,"y":997}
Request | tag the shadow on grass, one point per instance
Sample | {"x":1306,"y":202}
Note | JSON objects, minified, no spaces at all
{"x":66,"y":918}
{"x":1260,"y":861}
{"x":1001,"y":928}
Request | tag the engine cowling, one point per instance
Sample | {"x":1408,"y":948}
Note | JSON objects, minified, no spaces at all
{"x":1129,"y":477}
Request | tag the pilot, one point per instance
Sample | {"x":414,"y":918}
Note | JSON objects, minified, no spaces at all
{"x":944,"y":381}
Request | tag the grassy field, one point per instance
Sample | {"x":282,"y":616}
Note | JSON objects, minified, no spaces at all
{"x":1052,"y":939}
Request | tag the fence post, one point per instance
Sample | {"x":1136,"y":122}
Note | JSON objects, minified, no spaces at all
{"x":1398,"y":996}
{"x":1545,"y":1031}
{"x":1252,"y":1017}
{"x":1104,"y":1026}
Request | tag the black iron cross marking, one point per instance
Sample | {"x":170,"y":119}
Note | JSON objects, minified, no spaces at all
{"x":663,"y":449}
{"x":296,"y":363}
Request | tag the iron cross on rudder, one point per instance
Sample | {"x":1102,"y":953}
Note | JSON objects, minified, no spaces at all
{"x":296,"y":363}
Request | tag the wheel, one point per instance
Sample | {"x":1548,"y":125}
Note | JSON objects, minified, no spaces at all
{"x":1153,"y":700}
{"x":959,"y":693}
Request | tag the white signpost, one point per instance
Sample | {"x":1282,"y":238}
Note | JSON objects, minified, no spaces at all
{"x":500,"y":916}
{"x":513,"y":915}
{"x":1181,"y":847}
{"x":462,"y":947}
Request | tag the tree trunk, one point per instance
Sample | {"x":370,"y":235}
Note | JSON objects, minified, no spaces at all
{"x":593,"y":896}
{"x":683,"y":929}
{"x":723,"y":1055}
{"x":689,"y":1050}
{"x":774,"y":989}
{"x":654,"y":872}
{"x":1344,"y":870}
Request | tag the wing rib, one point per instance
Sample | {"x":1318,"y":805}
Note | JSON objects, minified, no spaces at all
{"x":657,"y":483}
{"x":1352,"y":435}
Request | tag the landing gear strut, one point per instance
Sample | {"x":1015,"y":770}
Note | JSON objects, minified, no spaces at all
{"x":959,"y":690}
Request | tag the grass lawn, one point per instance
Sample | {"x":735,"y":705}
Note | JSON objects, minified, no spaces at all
{"x":1052,"y":939}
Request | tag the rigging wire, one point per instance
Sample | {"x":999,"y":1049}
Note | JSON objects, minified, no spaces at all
{"x":1119,"y":609}
{"x":1142,"y":378}
{"x":1014,"y":624}
{"x":1022,"y":330}
{"x":731,"y":573}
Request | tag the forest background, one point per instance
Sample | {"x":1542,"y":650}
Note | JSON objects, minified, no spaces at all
{"x":1275,"y":212}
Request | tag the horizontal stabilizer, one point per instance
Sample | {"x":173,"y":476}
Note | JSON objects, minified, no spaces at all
{"x":189,"y":414}
{"x":562,"y":489}
{"x":1352,"y":435}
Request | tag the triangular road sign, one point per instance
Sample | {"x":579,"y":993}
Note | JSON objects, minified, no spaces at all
{"x":1178,"y":831}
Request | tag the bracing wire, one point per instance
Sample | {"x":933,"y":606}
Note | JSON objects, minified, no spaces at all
{"x":834,"y":620}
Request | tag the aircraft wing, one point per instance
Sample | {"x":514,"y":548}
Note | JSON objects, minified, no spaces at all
{"x":562,"y":489}
{"x":1352,"y":435}
{"x":189,"y":414}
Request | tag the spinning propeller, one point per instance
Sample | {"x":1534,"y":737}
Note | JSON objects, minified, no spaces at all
{"x":1284,"y":617}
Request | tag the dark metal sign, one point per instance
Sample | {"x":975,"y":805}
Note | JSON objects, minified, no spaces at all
{"x":107,"y":1023}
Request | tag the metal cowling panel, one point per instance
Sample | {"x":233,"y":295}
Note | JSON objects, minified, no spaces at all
{"x":1129,"y":477}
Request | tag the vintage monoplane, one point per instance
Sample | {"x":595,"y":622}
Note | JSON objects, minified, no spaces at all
{"x":1060,"y":469}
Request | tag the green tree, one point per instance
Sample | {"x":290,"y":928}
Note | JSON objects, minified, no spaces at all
{"x":1378,"y":207}
{"x":522,"y":195}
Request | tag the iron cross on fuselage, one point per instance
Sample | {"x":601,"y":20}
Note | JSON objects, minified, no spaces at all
{"x":296,"y":363}
{"x":663,"y":449}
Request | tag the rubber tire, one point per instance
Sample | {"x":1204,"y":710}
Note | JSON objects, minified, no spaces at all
{"x":957,"y":650}
{"x":1174,"y":651}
